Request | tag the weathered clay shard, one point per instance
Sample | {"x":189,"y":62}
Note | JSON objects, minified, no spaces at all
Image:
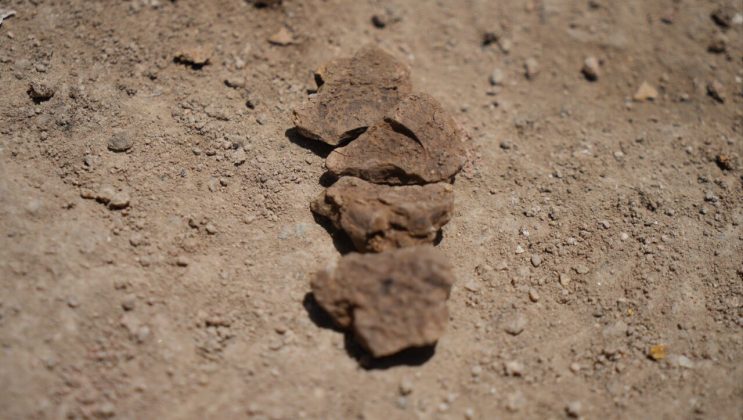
{"x":382,"y":217}
{"x":418,"y":142}
{"x":353,"y":93}
{"x":391,"y":301}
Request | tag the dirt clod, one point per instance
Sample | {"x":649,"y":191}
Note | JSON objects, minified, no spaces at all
{"x":392,"y":300}
{"x":40,"y":92}
{"x":380,"y":218}
{"x":353,"y":93}
{"x":417,"y":143}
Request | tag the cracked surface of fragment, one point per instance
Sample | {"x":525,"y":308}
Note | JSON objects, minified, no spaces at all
{"x":353,"y":93}
{"x":382,"y":217}
{"x":392,"y":300}
{"x":418,"y":142}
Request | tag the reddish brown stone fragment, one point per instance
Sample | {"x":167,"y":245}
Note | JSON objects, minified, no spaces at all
{"x":391,"y":301}
{"x":382,"y":217}
{"x":418,"y":142}
{"x":353,"y":93}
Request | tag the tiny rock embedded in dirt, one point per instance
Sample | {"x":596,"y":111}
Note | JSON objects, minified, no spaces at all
{"x":353,"y":93}
{"x":416,"y":143}
{"x":196,"y":56}
{"x":390,"y":301}
{"x":381,"y":217}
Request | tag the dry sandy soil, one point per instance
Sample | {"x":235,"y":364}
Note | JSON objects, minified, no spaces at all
{"x":612,"y":227}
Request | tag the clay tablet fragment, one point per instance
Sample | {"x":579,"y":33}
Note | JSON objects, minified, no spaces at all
{"x":416,"y":143}
{"x":391,"y":301}
{"x":381,"y":217}
{"x":353,"y":93}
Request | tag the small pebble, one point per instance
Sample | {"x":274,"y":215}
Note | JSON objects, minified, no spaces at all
{"x":239,"y":156}
{"x":105,"y":410}
{"x":623,"y":236}
{"x":536,"y":260}
{"x":533,"y":295}
{"x":142,"y":333}
{"x":406,"y":387}
{"x":128,"y":302}
{"x":469,"y":413}
{"x":591,"y":69}
{"x":119,"y":200}
{"x":564,"y":280}
{"x":210,"y":228}
{"x":716,"y":91}
{"x":581,"y":269}
{"x":476,"y":371}
{"x":515,"y":324}
{"x":515,"y":401}
{"x":120,"y":142}
{"x":718,"y":45}
{"x":105,"y":194}
{"x":472,"y":285}
{"x":574,"y":409}
{"x":87,"y":193}
{"x":136,"y":239}
{"x":645,"y":92}
{"x":181,"y":261}
{"x":531,"y":68}
{"x":505,"y":45}
{"x":513,"y":368}
{"x":497,"y":77}
{"x":685,"y":362}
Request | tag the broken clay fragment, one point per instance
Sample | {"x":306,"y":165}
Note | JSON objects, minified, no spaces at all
{"x":381,"y":217}
{"x":353,"y":93}
{"x":416,"y":143}
{"x":391,"y":301}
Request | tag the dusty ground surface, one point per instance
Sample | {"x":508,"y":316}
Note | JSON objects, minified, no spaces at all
{"x":607,"y":231}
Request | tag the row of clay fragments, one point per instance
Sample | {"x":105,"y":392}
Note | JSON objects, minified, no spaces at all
{"x":396,"y":154}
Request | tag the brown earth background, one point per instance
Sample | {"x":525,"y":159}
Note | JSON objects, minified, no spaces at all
{"x":611,"y":226}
